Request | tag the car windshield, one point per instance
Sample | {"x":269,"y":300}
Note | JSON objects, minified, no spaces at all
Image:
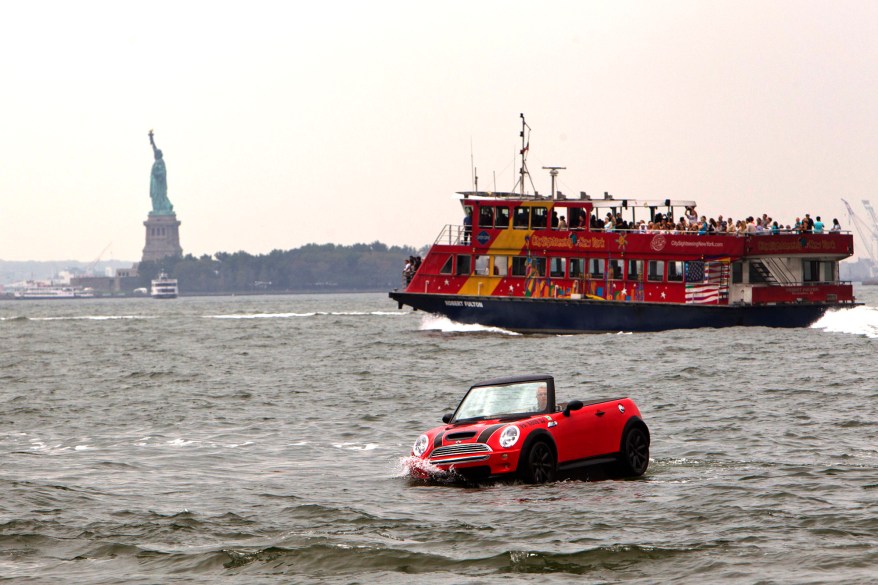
{"x":500,"y":401}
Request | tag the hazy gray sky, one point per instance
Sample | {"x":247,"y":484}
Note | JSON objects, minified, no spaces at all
{"x":284,"y":123}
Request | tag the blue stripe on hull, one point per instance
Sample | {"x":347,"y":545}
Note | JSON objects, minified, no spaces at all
{"x":565,"y":315}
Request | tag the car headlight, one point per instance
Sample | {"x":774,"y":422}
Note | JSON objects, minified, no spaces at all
{"x":420,"y":445}
{"x":509,"y":436}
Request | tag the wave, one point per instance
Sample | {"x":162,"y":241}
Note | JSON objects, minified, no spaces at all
{"x":309,"y":314}
{"x":855,"y":320}
{"x":446,"y":325}
{"x":79,"y":318}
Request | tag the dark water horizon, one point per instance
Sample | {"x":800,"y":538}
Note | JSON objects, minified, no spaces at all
{"x":263,"y":439}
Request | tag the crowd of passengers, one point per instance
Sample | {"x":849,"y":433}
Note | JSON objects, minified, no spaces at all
{"x":691,"y":223}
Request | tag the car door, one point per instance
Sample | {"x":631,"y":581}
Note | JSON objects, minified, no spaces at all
{"x":591,"y":431}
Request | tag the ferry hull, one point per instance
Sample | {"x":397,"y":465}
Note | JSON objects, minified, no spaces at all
{"x":542,"y":315}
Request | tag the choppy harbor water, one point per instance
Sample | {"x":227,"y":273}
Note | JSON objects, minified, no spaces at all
{"x":262,"y":440}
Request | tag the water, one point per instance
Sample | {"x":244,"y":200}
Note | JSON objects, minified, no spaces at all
{"x":263,"y":440}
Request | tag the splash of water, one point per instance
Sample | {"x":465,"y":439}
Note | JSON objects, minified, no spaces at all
{"x":446,"y":325}
{"x":416,"y":468}
{"x":856,"y":320}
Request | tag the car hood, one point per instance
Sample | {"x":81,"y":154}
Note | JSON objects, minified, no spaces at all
{"x":475,"y":432}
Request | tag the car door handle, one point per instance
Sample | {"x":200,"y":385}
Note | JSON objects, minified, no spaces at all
{"x":599,"y":413}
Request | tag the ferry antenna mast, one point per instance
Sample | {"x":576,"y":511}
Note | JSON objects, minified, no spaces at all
{"x":553,"y":172}
{"x":525,"y":146}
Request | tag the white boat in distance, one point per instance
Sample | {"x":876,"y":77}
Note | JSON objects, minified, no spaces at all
{"x":42,"y":293}
{"x":164,"y":287}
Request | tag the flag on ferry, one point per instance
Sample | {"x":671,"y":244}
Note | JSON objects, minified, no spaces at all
{"x":704,"y":282}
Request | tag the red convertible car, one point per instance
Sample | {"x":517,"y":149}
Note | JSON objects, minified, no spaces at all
{"x":512,"y":427}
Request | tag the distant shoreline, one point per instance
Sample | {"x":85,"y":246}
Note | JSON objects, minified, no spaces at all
{"x":10,"y":297}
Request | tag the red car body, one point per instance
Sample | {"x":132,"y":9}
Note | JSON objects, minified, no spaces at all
{"x":478,"y":441}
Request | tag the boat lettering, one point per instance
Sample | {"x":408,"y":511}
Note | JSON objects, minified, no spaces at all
{"x":556,"y":242}
{"x":789,"y":246}
{"x":682,"y":244}
{"x":477,"y":304}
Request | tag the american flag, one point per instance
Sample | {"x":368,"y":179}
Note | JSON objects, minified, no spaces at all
{"x":703,"y":294}
{"x":704,"y":282}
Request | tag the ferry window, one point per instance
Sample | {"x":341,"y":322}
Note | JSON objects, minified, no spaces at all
{"x":655,"y":270}
{"x":675,"y":271}
{"x":577,"y":266}
{"x":539,"y":266}
{"x":482,"y":265}
{"x":539,"y":217}
{"x":501,"y":217}
{"x":521,"y":219}
{"x":614,"y":269}
{"x":486,"y":217}
{"x":556,"y":267}
{"x":464,"y":265}
{"x":501,"y":265}
{"x":519,"y":266}
{"x":446,"y":268}
{"x":596,"y":267}
{"x":829,"y":272}
{"x":635,"y":269}
{"x":811,"y":271}
{"x":737,"y":272}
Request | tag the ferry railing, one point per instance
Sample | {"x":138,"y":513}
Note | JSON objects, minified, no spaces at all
{"x":453,"y":235}
{"x":456,"y":234}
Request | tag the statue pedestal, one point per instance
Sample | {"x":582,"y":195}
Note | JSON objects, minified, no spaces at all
{"x":162,"y":237}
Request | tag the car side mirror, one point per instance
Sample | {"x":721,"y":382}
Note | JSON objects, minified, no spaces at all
{"x":446,"y":418}
{"x":572,"y":405}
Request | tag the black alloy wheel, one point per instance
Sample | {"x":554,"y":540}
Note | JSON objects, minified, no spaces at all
{"x":635,"y":452}
{"x":539,"y":464}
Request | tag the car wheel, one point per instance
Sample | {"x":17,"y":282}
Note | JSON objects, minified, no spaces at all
{"x":538,"y":464}
{"x":635,"y":452}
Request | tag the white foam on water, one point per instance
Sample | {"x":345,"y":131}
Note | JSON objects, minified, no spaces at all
{"x":446,"y":325}
{"x":91,"y":318}
{"x":855,"y":320}
{"x":261,"y":316}
{"x":180,"y":443}
{"x":356,"y":446}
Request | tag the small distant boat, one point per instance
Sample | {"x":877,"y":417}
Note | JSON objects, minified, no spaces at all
{"x":164,"y":287}
{"x":42,"y":293}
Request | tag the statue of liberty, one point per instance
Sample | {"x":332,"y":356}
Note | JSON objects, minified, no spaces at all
{"x":158,"y":184}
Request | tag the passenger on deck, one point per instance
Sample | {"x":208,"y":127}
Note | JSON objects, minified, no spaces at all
{"x":610,"y":224}
{"x":836,"y":227}
{"x":467,"y":226}
{"x":408,"y":271}
{"x":818,"y":226}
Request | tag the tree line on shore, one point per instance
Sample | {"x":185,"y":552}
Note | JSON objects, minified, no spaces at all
{"x":311,"y":268}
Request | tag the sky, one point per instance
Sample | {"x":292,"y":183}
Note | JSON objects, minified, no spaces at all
{"x":287,"y":123}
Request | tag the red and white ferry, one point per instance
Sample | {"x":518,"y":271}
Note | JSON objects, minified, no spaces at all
{"x":514,"y":267}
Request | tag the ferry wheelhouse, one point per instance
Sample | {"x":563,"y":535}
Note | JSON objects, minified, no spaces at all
{"x":514,"y":266}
